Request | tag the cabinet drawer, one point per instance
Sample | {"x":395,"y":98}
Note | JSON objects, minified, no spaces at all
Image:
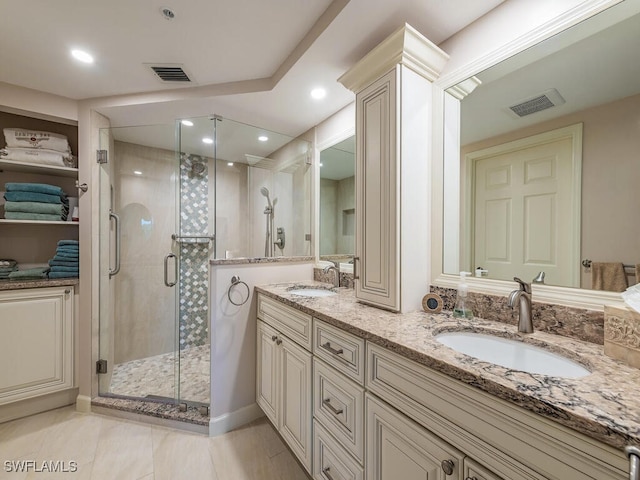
{"x":338,"y":403}
{"x":340,"y":349}
{"x":330,"y":461}
{"x":473,"y":471}
{"x":291,"y":322}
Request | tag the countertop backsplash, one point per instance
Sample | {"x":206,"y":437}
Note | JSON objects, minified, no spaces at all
{"x":582,"y":324}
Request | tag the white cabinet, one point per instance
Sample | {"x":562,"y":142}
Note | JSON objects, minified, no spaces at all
{"x":36,"y":342}
{"x":474,"y":471}
{"x":284,"y":375}
{"x":399,"y":448}
{"x":393,"y":113}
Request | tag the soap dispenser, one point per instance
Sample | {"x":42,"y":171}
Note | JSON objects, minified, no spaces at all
{"x":462,"y":308}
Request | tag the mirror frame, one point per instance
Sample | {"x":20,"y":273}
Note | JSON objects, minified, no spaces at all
{"x":571,"y":297}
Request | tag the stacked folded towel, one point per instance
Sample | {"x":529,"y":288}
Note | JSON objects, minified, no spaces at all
{"x":6,"y":267}
{"x":33,"y":146}
{"x":66,"y":262}
{"x":35,"y":201}
{"x":29,"y":274}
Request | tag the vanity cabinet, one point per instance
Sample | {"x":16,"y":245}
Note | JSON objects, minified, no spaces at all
{"x":399,"y":448}
{"x":283,"y":379}
{"x":36,"y":342}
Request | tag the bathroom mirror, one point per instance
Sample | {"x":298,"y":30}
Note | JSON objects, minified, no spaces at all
{"x":587,"y":76}
{"x":337,"y":201}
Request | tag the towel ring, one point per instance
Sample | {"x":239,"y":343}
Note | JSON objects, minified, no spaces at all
{"x":235,"y":281}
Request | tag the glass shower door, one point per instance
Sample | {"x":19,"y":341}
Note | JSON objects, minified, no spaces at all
{"x":139,"y":263}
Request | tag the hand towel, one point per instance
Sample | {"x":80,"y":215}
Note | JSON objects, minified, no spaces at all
{"x":608,"y":276}
{"x":61,"y":268}
{"x":7,"y":262}
{"x":22,"y":137}
{"x":66,"y":255}
{"x":35,"y":197}
{"x":58,"y":258}
{"x":37,"y":207}
{"x":68,"y":242}
{"x":38,"y":272}
{"x":38,"y":156}
{"x":63,"y":275}
{"x":62,"y":263}
{"x":34,"y":187}
{"x":42,"y":217}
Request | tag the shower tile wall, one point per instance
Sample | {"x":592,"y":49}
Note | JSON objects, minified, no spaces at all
{"x":194,"y":257}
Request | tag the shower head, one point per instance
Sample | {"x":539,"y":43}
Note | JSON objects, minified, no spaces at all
{"x":265,"y":192}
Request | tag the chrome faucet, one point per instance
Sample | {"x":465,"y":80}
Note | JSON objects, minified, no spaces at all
{"x":336,"y":277}
{"x":523,"y":296}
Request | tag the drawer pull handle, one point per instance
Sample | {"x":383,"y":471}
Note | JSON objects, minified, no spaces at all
{"x":325,"y":470}
{"x":279,"y":341}
{"x":471,"y":478}
{"x":327,"y":403}
{"x":447,"y":466}
{"x":274,"y":338}
{"x":327,"y":346}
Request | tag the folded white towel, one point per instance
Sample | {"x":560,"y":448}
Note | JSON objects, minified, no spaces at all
{"x":20,"y":137}
{"x":39,"y":156}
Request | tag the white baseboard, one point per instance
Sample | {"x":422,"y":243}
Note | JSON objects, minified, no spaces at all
{"x":39,"y":404}
{"x":83,"y":404}
{"x":230,"y":421}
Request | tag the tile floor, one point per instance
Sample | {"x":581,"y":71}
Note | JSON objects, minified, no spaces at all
{"x":157,"y":375}
{"x":105,"y":448}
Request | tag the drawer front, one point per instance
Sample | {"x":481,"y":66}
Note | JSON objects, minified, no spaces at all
{"x":291,"y":322}
{"x":474,"y":471}
{"x":330,"y":461}
{"x":338,"y":403}
{"x":340,"y":349}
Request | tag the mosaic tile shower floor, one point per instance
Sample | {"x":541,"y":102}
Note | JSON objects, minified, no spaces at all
{"x":155,"y":376}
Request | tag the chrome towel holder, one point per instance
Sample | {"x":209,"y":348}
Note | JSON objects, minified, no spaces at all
{"x":235,"y":281}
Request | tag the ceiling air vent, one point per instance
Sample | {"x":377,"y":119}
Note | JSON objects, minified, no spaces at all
{"x":548,"y":99}
{"x":170,"y":73}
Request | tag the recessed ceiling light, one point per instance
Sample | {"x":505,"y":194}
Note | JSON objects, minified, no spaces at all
{"x":82,"y":56}
{"x":187,"y":123}
{"x":263,"y":138}
{"x":318,"y":93}
{"x":229,"y":164}
{"x":137,"y":172}
{"x":207,"y":140}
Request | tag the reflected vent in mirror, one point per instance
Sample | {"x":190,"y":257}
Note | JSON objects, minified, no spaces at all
{"x":170,"y":73}
{"x":548,"y":99}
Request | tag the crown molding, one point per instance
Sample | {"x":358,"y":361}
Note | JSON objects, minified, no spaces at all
{"x":406,"y":46}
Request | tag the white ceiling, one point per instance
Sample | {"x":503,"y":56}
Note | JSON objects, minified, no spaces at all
{"x":250,"y":60}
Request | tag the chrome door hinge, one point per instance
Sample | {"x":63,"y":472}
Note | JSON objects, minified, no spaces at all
{"x":101,"y":366}
{"x":101,"y":156}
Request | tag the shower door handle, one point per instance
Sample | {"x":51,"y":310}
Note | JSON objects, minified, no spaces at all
{"x":116,"y":269}
{"x":166,"y":270}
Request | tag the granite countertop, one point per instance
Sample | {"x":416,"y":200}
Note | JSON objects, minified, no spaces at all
{"x":604,"y":405}
{"x":39,"y":283}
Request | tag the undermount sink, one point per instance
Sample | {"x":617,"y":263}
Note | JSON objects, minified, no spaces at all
{"x":311,"y":292}
{"x":512,"y":354}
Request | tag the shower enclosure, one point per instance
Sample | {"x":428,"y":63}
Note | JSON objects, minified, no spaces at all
{"x":157,"y":207}
{"x":173,"y":197}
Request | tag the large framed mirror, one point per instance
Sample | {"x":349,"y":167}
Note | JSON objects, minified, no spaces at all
{"x":541,"y":167}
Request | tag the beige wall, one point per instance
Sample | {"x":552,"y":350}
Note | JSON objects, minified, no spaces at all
{"x":610,"y":178}
{"x":337,"y":199}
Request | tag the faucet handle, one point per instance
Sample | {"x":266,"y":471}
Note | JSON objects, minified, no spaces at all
{"x":524,"y":286}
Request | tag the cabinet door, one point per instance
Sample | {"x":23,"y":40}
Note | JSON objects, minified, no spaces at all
{"x":399,"y":448}
{"x":36,"y":342}
{"x":376,"y":198}
{"x":295,"y":404}
{"x":267,"y":371}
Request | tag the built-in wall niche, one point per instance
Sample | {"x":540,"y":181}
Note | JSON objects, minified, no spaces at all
{"x":337,"y":200}
{"x":586,"y":79}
